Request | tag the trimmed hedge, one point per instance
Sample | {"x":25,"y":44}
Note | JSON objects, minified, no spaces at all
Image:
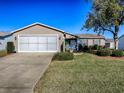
{"x":95,"y":47}
{"x":80,"y":48}
{"x":89,"y":48}
{"x":63,"y":56}
{"x":3,"y":53}
{"x":117,"y":53}
{"x":86,"y":48}
{"x":104,"y":52}
{"x":10,"y":47}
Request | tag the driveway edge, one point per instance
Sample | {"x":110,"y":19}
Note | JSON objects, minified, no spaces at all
{"x":42,"y":74}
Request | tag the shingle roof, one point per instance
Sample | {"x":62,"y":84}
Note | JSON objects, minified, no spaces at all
{"x":91,"y":36}
{"x":3,"y":33}
{"x":109,"y":40}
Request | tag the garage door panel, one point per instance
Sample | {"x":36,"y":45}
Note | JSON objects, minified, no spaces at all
{"x":52,"y":39}
{"x":33,"y":40}
{"x":24,"y":47}
{"x":37,"y":44}
{"x":42,"y":47}
{"x":23,"y":39}
{"x":33,"y":47}
{"x":42,"y":40}
{"x":52,"y":47}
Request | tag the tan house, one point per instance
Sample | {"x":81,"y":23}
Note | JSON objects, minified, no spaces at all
{"x":91,"y":39}
{"x":36,"y":38}
{"x":2,"y":41}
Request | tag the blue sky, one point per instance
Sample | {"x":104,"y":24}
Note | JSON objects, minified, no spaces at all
{"x":68,"y":15}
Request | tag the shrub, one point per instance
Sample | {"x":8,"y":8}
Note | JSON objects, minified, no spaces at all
{"x":10,"y":47}
{"x":101,"y":47}
{"x":63,"y":56}
{"x":3,"y":53}
{"x":90,"y":48}
{"x":80,"y":48}
{"x":95,"y":47}
{"x":117,"y":53}
{"x":104,"y":52}
{"x":85,"y":48}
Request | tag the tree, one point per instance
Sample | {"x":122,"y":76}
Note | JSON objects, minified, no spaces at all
{"x":106,"y":15}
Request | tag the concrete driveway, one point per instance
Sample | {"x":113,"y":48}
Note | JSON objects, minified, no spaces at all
{"x":20,"y":72}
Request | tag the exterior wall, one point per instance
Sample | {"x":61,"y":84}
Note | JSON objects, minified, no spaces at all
{"x":90,"y":42}
{"x":8,"y":39}
{"x":121,"y":43}
{"x":37,"y":30}
{"x":112,"y":45}
{"x":83,"y":42}
{"x":102,"y":42}
{"x":2,"y":44}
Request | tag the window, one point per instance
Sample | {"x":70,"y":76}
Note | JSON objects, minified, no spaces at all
{"x":83,"y":41}
{"x":96,"y":42}
{"x":107,"y":45}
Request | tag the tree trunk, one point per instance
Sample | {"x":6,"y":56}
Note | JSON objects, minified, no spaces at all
{"x":116,"y":37}
{"x":116,"y":44}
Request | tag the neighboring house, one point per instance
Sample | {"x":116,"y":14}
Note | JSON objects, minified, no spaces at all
{"x":2,"y":41}
{"x":36,"y":38}
{"x":91,"y":39}
{"x":121,"y":43}
{"x":109,"y":43}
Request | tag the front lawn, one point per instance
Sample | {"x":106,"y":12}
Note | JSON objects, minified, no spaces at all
{"x":85,"y":74}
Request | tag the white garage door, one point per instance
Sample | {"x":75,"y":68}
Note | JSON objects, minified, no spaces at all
{"x":37,"y":44}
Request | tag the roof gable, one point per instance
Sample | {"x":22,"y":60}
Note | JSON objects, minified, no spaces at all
{"x":43,"y":25}
{"x":121,"y":36}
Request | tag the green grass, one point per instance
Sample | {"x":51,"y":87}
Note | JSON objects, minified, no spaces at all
{"x":85,"y":74}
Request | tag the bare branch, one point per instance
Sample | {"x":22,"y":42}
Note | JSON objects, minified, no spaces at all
{"x":108,"y":30}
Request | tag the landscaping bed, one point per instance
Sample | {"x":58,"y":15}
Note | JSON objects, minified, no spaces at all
{"x":3,"y":53}
{"x":63,"y":56}
{"x":86,"y":73}
{"x":101,"y":51}
{"x":10,"y":49}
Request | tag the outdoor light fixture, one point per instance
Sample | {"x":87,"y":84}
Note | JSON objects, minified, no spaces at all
{"x":15,"y":38}
{"x":64,"y":35}
{"x":60,"y":38}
